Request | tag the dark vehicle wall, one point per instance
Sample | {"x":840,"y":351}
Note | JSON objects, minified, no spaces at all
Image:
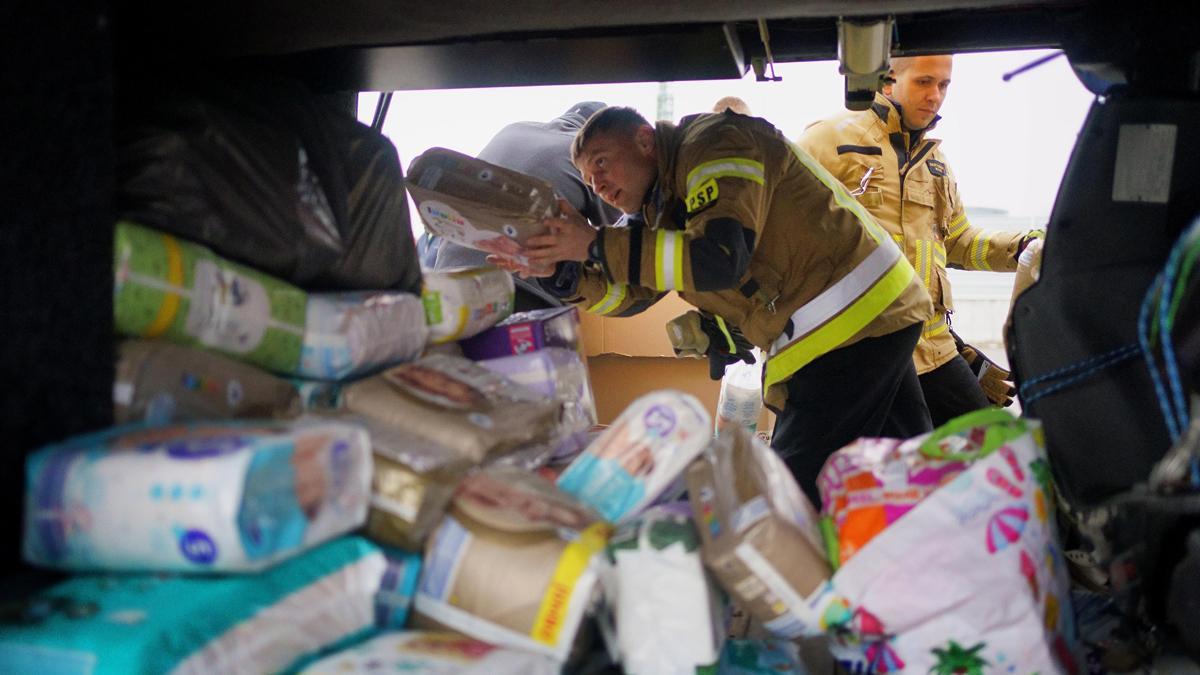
{"x":56,"y":178}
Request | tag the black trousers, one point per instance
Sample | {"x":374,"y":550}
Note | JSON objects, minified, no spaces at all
{"x":951,"y":390}
{"x":867,"y":389}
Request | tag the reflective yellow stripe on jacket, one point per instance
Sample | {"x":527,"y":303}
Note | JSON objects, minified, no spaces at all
{"x":738,"y":167}
{"x":839,"y":312}
{"x":612,"y":299}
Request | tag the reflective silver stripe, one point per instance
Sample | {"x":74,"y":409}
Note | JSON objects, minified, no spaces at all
{"x":612,"y":299}
{"x":667,"y":250}
{"x":837,"y":297}
{"x":728,"y":166}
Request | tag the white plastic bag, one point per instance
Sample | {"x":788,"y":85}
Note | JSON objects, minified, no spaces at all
{"x":668,"y":613}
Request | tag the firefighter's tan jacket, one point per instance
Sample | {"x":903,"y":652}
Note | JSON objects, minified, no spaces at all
{"x":905,"y":182}
{"x":744,"y":224}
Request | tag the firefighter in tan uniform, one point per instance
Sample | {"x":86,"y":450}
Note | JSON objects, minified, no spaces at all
{"x":882,"y":155}
{"x":767,"y":245}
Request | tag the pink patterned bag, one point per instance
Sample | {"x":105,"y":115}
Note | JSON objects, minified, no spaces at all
{"x":971,"y":578}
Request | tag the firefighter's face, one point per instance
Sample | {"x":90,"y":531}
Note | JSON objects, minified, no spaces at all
{"x":920,"y":88}
{"x":620,"y":167}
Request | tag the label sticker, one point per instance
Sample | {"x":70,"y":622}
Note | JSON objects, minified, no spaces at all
{"x":702,"y":196}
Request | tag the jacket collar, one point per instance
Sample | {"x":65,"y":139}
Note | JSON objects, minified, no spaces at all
{"x":667,"y":137}
{"x":888,"y":113}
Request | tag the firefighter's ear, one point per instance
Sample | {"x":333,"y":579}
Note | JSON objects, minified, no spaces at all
{"x":643,"y":139}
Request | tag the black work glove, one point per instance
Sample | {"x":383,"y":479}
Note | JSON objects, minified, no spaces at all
{"x":700,"y":334}
{"x":995,"y":381}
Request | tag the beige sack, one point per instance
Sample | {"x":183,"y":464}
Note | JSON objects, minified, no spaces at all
{"x":455,"y":404}
{"x":160,"y":382}
{"x":759,"y":534}
{"x":499,"y":569}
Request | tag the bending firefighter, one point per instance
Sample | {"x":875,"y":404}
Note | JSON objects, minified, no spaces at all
{"x":883,"y":157}
{"x":771,"y":250}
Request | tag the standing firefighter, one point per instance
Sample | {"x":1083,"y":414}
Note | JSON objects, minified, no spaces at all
{"x":767,"y":245}
{"x":883,"y":156}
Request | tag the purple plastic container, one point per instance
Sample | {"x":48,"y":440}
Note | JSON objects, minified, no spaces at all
{"x":526,"y":332}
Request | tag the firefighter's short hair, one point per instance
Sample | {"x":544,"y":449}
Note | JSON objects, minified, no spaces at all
{"x":613,"y":119}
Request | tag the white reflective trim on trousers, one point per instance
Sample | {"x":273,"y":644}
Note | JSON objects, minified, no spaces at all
{"x":842,"y":294}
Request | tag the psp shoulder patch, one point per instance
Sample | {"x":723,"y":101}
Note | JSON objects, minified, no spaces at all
{"x":935,"y":167}
{"x":702,"y":196}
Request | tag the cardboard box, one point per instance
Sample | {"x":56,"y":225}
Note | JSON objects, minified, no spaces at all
{"x":632,"y":356}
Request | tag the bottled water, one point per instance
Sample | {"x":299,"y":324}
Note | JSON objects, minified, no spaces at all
{"x":740,"y":401}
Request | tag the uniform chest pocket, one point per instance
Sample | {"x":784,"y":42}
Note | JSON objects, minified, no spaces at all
{"x":920,"y":192}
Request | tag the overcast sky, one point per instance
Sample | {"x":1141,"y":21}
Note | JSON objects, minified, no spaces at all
{"x":1008,"y":142}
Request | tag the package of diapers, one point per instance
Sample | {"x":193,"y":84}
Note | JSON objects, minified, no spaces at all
{"x":669,"y":615}
{"x":169,"y":288}
{"x":479,"y":205}
{"x":204,"y":497}
{"x":641,"y":456}
{"x":412,"y":483}
{"x":513,"y":564}
{"x":346,"y":334}
{"x":465,"y":301}
{"x":397,"y":588}
{"x":561,"y":374}
{"x":525,"y":332}
{"x":156,"y":623}
{"x":759,"y":536}
{"x":161,"y":382}
{"x":456,"y":404}
{"x":432,"y":653}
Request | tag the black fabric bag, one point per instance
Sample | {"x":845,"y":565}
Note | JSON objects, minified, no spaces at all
{"x":269,"y":175}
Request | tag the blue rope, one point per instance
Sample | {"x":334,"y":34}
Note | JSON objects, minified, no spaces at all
{"x":1083,"y":370}
{"x":1165,"y":325}
{"x":1143,"y":329}
{"x":1066,"y":370}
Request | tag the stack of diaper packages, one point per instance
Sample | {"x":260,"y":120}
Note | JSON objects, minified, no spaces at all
{"x":171,"y":290}
{"x":203,"y":547}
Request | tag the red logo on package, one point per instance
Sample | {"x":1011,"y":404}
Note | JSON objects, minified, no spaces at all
{"x":520,"y":338}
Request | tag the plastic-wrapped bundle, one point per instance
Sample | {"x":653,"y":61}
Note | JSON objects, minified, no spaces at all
{"x":183,"y":292}
{"x":431,"y":653}
{"x":456,"y":404}
{"x":669,"y":616}
{"x":269,"y":175}
{"x":759,"y":535}
{"x":641,"y":456}
{"x":512,"y":564}
{"x":477,"y":204}
{"x":397,"y":589}
{"x":525,"y":332}
{"x":350,"y":333}
{"x":161,"y":382}
{"x":560,"y":374}
{"x":414,"y":479}
{"x":463,"y":302}
{"x":154,"y":623}
{"x":207,"y":497}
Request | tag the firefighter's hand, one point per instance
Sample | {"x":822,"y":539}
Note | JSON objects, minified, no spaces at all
{"x":995,"y":381}
{"x":569,"y":238}
{"x":700,"y":333}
